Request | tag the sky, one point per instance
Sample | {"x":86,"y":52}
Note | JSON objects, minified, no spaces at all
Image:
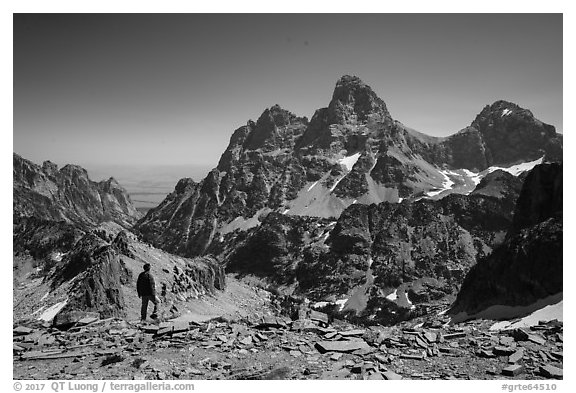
{"x":169,"y":89}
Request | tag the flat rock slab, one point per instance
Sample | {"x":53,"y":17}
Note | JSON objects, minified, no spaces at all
{"x":246,"y":340}
{"x":355,"y":332}
{"x":21,"y":331}
{"x":536,"y":339}
{"x":451,"y":336}
{"x":67,"y":318}
{"x":516,"y":356}
{"x":485,"y":353}
{"x":391,"y":375}
{"x":179,"y":326}
{"x":503,"y":351}
{"x":364,"y":351}
{"x":163,"y":330}
{"x":430,"y":337}
{"x":375,"y":377}
{"x":421,"y":343}
{"x":87,"y":320}
{"x":150,"y":328}
{"x":319,"y":316}
{"x":557,"y":354}
{"x":335,"y":374}
{"x":306,"y":325}
{"x":381,"y":358}
{"x":270,"y":322}
{"x":549,"y":371}
{"x":520,"y":334}
{"x":336,"y":356}
{"x":412,"y":356}
{"x":513,"y":370}
{"x":341,"y":346}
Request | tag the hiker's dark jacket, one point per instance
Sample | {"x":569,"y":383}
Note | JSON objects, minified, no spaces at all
{"x":145,"y":285}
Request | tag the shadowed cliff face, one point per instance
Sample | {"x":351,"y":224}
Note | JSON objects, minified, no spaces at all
{"x":512,"y":134}
{"x":68,"y":195}
{"x":528,"y":266}
{"x":349,"y":152}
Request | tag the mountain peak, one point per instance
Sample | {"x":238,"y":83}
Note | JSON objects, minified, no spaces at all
{"x":266,"y":133}
{"x":353,"y":100}
{"x":276,"y":116}
{"x":512,"y":134}
{"x":49,"y":167}
{"x":350,"y":80}
{"x":502,"y":110}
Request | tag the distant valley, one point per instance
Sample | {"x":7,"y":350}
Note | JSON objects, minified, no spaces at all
{"x":147,"y":185}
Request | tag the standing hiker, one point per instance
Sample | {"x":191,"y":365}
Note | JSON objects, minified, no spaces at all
{"x":147,"y":292}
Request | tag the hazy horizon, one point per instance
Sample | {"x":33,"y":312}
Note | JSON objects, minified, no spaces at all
{"x":169,"y":89}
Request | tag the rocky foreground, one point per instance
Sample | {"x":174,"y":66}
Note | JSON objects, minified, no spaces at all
{"x":81,"y":346}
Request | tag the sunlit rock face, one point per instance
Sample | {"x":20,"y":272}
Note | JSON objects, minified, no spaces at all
{"x":528,"y":266}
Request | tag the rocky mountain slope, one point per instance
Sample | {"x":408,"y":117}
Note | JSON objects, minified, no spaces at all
{"x":378,"y":261}
{"x":73,"y":253}
{"x":527,"y":267}
{"x":95,"y":271}
{"x":350,"y":152}
{"x":67,"y":194}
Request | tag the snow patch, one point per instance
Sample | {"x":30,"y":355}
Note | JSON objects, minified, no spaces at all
{"x":349,"y":161}
{"x":51,"y":312}
{"x":475,"y":177}
{"x":517,"y":169}
{"x":39,"y":310}
{"x":446,"y":184}
{"x":341,"y":303}
{"x":336,"y":183}
{"x":243,"y":224}
{"x":45,"y":296}
{"x":312,"y":186}
{"x":502,"y":312}
{"x":505,"y":112}
{"x":285,"y":211}
{"x":412,"y":306}
{"x":393,"y":296}
{"x":547,"y":313}
{"x":319,"y":304}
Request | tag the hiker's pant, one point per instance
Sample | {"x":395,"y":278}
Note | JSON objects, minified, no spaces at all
{"x":144,"y":310}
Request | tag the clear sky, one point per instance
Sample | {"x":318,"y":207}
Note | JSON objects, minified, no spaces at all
{"x":170,"y":89}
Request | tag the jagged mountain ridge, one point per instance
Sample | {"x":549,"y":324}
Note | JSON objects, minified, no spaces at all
{"x":352,"y":151}
{"x":68,"y":194}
